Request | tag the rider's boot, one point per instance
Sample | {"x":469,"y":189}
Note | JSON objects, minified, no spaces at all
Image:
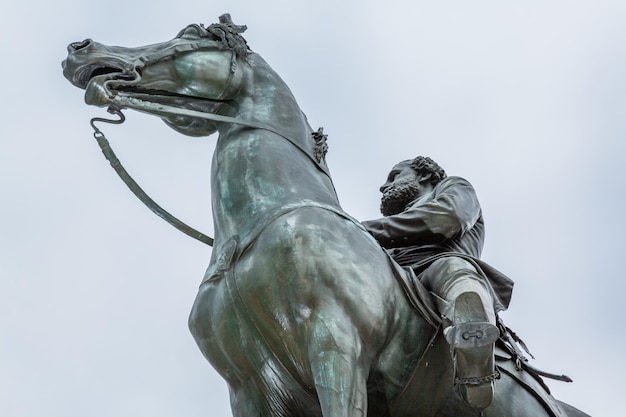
{"x":471,"y":334}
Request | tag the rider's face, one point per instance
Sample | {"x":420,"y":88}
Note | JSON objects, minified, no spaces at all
{"x":401,"y":189}
{"x":399,"y":174}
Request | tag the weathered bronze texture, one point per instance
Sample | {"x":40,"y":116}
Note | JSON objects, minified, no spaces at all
{"x":300,"y":310}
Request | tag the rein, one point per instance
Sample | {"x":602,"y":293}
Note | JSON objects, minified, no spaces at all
{"x":132,"y":184}
{"x":120,"y":102}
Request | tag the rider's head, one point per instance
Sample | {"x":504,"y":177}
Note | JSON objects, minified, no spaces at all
{"x":407,"y":181}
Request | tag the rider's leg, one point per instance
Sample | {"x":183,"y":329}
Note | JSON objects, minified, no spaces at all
{"x":466,"y":304}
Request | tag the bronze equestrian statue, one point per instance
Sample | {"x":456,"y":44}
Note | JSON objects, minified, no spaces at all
{"x":301,"y":311}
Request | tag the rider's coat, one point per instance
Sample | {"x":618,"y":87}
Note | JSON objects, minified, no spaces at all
{"x":445,"y":221}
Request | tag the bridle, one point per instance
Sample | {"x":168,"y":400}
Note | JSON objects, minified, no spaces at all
{"x":118,"y":102}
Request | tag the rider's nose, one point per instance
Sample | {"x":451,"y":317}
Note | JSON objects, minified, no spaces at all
{"x":384,"y":187}
{"x":76,"y":46}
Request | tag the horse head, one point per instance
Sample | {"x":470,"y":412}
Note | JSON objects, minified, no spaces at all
{"x":205,"y":80}
{"x":197,"y":70}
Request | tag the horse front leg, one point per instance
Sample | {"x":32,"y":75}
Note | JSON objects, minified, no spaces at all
{"x":335,"y":355}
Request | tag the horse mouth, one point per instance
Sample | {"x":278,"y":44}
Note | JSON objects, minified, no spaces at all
{"x":103,"y":82}
{"x":99,"y":82}
{"x":140,"y":92}
{"x":89,"y":72}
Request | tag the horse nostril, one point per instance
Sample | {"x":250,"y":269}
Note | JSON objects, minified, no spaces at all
{"x":80,"y":45}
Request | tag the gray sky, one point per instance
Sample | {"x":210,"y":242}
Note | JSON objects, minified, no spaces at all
{"x":526,"y":101}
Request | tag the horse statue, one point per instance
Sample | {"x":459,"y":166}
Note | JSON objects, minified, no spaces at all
{"x":300,"y":311}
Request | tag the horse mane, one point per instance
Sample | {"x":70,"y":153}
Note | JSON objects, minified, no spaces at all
{"x":228,"y":35}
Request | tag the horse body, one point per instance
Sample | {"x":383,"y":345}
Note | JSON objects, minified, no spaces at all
{"x":299,"y":310}
{"x":299,"y":333}
{"x":306,"y":284}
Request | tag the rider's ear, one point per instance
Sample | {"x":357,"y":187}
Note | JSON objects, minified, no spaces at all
{"x":425,"y":178}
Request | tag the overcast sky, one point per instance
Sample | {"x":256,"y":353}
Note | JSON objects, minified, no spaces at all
{"x":527,"y":101}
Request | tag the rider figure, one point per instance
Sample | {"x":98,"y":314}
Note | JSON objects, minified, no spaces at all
{"x":434,"y":225}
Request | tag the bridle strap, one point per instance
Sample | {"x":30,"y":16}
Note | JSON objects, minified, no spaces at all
{"x":120,"y":101}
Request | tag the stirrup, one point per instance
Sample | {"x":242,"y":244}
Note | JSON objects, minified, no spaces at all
{"x":472,"y":340}
{"x":473,"y":380}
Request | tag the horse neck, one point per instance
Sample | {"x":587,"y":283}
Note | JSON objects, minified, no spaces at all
{"x":255,"y":172}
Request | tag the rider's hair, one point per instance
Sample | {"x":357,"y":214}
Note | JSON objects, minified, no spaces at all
{"x":423,"y":165}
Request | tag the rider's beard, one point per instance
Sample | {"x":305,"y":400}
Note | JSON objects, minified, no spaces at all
{"x":395,"y":199}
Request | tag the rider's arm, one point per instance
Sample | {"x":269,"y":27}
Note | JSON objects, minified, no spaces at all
{"x":453,"y":209}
